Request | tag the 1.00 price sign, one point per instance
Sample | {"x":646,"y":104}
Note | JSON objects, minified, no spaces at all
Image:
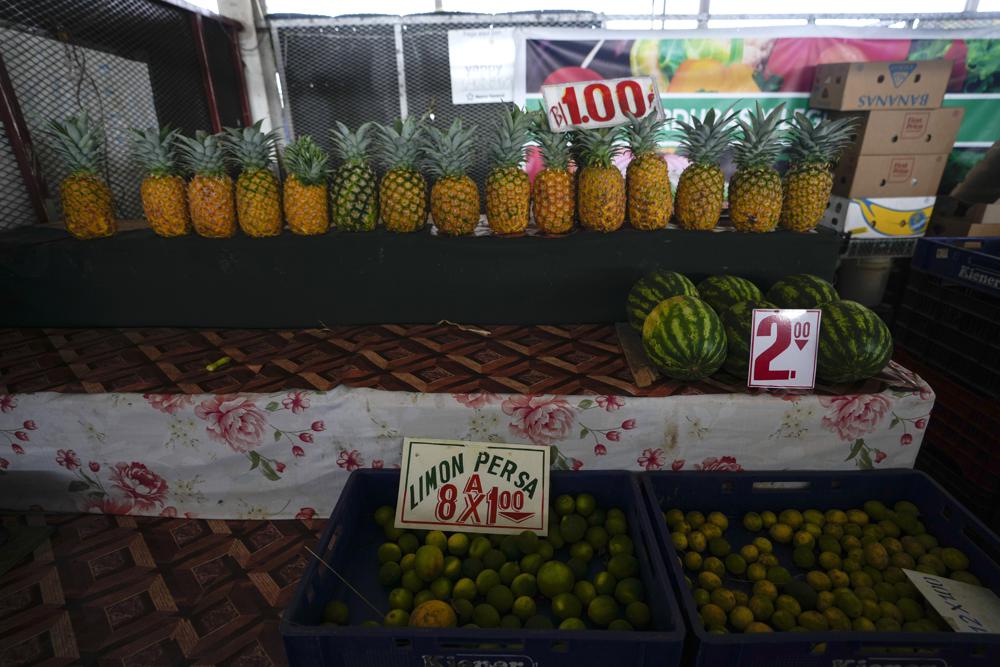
{"x":593,"y":104}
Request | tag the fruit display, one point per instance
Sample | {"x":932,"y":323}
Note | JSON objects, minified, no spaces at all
{"x":720,"y":292}
{"x":798,"y":570}
{"x":258,"y":200}
{"x":508,"y":189}
{"x":402,"y":193}
{"x":755,"y":190}
{"x":305,"y":188}
{"x":854,"y":342}
{"x":813,"y":148}
{"x":354,"y":189}
{"x":600,"y":187}
{"x":162,"y":189}
{"x":554,"y":190}
{"x":702,"y":185}
{"x":801,"y":291}
{"x":650,"y":290}
{"x":647,"y":181}
{"x":684,"y":338}
{"x":86,"y":198}
{"x":454,"y":196}
{"x":210,"y":190}
{"x":583,"y":575}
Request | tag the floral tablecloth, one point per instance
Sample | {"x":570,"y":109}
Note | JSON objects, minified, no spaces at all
{"x":288,"y":454}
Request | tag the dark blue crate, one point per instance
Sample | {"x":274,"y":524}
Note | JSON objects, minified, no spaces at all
{"x":973,"y":262}
{"x":735,"y":494}
{"x":349,"y":544}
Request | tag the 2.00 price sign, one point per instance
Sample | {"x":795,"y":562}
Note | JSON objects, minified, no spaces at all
{"x":783,"y":346}
{"x":593,"y":104}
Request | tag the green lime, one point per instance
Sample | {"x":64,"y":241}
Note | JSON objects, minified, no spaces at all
{"x":779,"y":575}
{"x":718,"y":519}
{"x":554,"y":578}
{"x":524,"y":584}
{"x":479,"y":547}
{"x":578,"y":567}
{"x":458,"y":544}
{"x":783,"y":620}
{"x":407,"y":562}
{"x":762,"y":607}
{"x":966,"y":577}
{"x":906,"y":507}
{"x":538,"y":622}
{"x":813,"y":620}
{"x":572,"y":527}
{"x":701,"y":597}
{"x":709,"y":580}
{"x":597,"y":537}
{"x":546,"y":550}
{"x":572,"y":624}
{"x":597,"y":517}
{"x":766,"y":589}
{"x":804,"y":539}
{"x":763,"y":544}
{"x":692,"y":561}
{"x":397,"y":618}
{"x":527,"y":542}
{"x":723,"y":598}
{"x":508,"y":571}
{"x":620,"y":625}
{"x":510,"y":622}
{"x":781,"y":533}
{"x":500,"y":598}
{"x":605,"y":583}
{"x":584,"y":591}
{"x":409,"y":543}
{"x":471,"y":567}
{"x":389,"y":552}
{"x":756,"y":572}
{"x":620,"y":545}
{"x":679,"y":540}
{"x":789,"y":604}
{"x":735,"y":564}
{"x":438,"y":539}
{"x":637,"y":613}
{"x":464,"y":589}
{"x":752,"y":522}
{"x":422,"y":597}
{"x":768,"y":519}
{"x":441,"y":588}
{"x":384,"y":515}
{"x":792,"y":518}
{"x":740,"y":617}
{"x":629,"y":590}
{"x":623,"y":566}
{"x":486,"y":580}
{"x":510,"y":549}
{"x":803,"y":557}
{"x":531,"y":563}
{"x":430,"y":562}
{"x":820,"y":581}
{"x":493,"y":559}
{"x":712,"y":615}
{"x":953,"y":559}
{"x":566,"y":605}
{"x":564,"y":505}
{"x":335,"y":611}
{"x":485,"y":616}
{"x":602,"y":610}
{"x":389,"y":574}
{"x":523,"y":607}
{"x":391,"y":532}
{"x":616,"y":525}
{"x":411,"y":581}
{"x":401,"y":598}
{"x":585,"y":504}
{"x":615,"y":513}
{"x":749,"y":553}
{"x":583,"y":551}
{"x":695,"y":518}
{"x":719,"y":547}
{"x":452,"y":567}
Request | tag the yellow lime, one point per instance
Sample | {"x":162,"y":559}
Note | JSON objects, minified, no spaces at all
{"x":429,"y":563}
{"x":820,"y":581}
{"x":723,"y":598}
{"x":524,"y":607}
{"x":791,"y":518}
{"x":389,"y":552}
{"x":789,"y":604}
{"x":694,"y":518}
{"x":763,"y":545}
{"x":397,"y":618}
{"x":638,"y":614}
{"x":605,"y":583}
{"x":434,"y":614}
{"x":464,"y":589}
{"x":452,"y":567}
{"x":566,"y":505}
{"x":752,"y":522}
{"x":781,"y":533}
{"x":554,"y":578}
{"x":712,"y":615}
{"x":757,"y":627}
{"x":584,"y":591}
{"x":701,"y":597}
{"x":756,"y":572}
{"x":768,"y":518}
{"x":697,"y":540}
{"x":572,"y":624}
{"x":441,"y":588}
{"x":693,"y":561}
{"x":673,"y":517}
{"x":458,"y":544}
{"x":566,"y":605}
{"x":719,"y":519}
{"x":407,"y":562}
{"x":783,"y":620}
{"x":766,"y":589}
{"x":750,"y":553}
{"x":740,"y":617}
{"x":602,"y":610}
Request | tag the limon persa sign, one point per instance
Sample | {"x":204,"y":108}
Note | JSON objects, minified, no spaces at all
{"x":475,"y":487}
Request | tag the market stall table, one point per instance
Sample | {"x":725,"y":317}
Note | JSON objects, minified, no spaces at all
{"x":131,"y":421}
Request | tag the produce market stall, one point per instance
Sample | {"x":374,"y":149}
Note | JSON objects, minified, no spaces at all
{"x":131,"y":421}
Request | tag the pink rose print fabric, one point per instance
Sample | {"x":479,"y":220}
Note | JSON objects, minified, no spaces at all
{"x":234,"y":421}
{"x":168,"y":404}
{"x":142,"y":486}
{"x":541,"y":420}
{"x":851,"y":417}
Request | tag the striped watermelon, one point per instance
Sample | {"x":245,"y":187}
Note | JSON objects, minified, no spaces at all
{"x":720,"y":292}
{"x":801,"y":291}
{"x":683,"y":337}
{"x":736,"y":321}
{"x":854,"y":343}
{"x":650,"y":290}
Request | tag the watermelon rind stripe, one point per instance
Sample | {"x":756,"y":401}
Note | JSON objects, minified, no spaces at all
{"x":683,"y":337}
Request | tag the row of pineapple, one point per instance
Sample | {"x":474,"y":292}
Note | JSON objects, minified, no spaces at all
{"x":596,"y":193}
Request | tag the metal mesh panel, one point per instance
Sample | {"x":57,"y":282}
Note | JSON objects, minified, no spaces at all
{"x":128,"y":63}
{"x":218,"y":48}
{"x":15,"y":206}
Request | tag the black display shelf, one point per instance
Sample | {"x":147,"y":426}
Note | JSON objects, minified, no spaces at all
{"x":135,"y":278}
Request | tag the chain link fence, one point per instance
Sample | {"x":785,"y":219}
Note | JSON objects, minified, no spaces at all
{"x":127,"y":63}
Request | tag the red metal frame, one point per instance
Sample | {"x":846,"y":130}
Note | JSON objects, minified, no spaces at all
{"x":206,"y":73}
{"x":241,"y":79}
{"x":20,"y":144}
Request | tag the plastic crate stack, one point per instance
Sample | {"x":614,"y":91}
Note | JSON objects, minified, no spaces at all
{"x":948,"y":325}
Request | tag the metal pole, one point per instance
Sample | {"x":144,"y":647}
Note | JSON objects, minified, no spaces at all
{"x":241,"y":79}
{"x":703,"y":9}
{"x":20,"y":144}
{"x":197,"y":26}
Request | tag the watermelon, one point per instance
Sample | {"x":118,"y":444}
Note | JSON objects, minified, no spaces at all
{"x":683,"y":337}
{"x":801,"y":291}
{"x":854,"y":343}
{"x":720,"y":292}
{"x":736,"y":321}
{"x":650,"y":290}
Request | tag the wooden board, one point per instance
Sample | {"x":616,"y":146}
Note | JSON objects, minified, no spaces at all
{"x":643,"y":371}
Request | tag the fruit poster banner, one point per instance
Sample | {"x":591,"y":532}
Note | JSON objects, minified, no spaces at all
{"x":699,"y":70}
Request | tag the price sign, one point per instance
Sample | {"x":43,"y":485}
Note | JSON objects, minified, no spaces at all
{"x":783,"y":345}
{"x":966,"y":608}
{"x":475,"y":487}
{"x":590,"y":104}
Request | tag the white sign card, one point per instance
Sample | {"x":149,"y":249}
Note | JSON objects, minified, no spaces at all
{"x":476,"y":487}
{"x":482,"y":65}
{"x":965,"y":607}
{"x":783,"y":346}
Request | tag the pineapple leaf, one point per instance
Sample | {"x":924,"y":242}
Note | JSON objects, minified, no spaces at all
{"x":761,"y":139}
{"x":250,"y":148}
{"x":78,"y":142}
{"x":703,"y":141}
{"x":643,"y":135}
{"x":306,"y":161}
{"x":820,"y":143}
{"x":399,"y":145}
{"x":155,"y":149}
{"x":449,"y":154}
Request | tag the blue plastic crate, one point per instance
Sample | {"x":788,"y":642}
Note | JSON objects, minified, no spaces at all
{"x":349,"y":544}
{"x":973,"y":262}
{"x":735,"y":494}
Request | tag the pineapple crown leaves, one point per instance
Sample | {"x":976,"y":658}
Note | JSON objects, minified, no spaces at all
{"x":511,"y":135}
{"x":352,"y":147}
{"x":250,"y":148}
{"x":554,"y":147}
{"x":78,"y":142}
{"x":820,"y":143}
{"x":703,"y":141}
{"x":643,"y":134}
{"x":155,"y":149}
{"x":449,"y":154}
{"x":203,"y":155}
{"x":597,"y":148}
{"x":399,"y":144}
{"x":306,"y":161}
{"x":761,"y":139}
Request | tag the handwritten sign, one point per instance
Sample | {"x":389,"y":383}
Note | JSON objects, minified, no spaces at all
{"x":592,"y":104}
{"x":966,"y":608}
{"x":482,"y":65}
{"x":476,"y":487}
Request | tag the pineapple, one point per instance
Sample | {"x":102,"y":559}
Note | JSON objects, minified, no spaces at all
{"x":755,"y":188}
{"x":86,"y":199}
{"x":258,"y":198}
{"x":600,"y":186}
{"x":305,"y":187}
{"x":455,"y":196}
{"x":809,"y":181}
{"x":702,"y":185}
{"x":355,"y":187}
{"x":403,"y":190}
{"x":508,"y":188}
{"x":647,"y":180}
{"x":210,"y":191}
{"x":555,"y":186}
{"x":162,"y":189}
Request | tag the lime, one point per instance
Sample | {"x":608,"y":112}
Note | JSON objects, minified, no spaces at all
{"x":546,"y":550}
{"x":524,"y":584}
{"x":710,"y":530}
{"x":966,"y":578}
{"x":527,"y":542}
{"x":885,"y":624}
{"x":391,"y":532}
{"x":486,"y":580}
{"x":820,"y":581}
{"x":531,"y":563}
{"x":953,"y":559}
{"x":740,"y":617}
{"x":701,"y":596}
{"x":572,"y":624}
{"x":564,"y":505}
{"x":508,"y":571}
{"x":861,"y":579}
{"x":437,"y":538}
{"x":791,"y":518}
{"x":862,"y":624}
{"x":783,"y":620}
{"x":741,"y":597}
{"x":761,"y":607}
{"x":585,"y":504}
{"x":407,"y":562}
{"x":602,"y":610}
{"x":422,"y":597}
{"x":523,"y":607}
{"x":837,"y":517}
{"x":709,"y":581}
{"x":756,"y":572}
{"x":789,"y":604}
{"x":605,"y":583}
{"x":803,"y":538}
{"x":692,"y":561}
{"x":430,"y":562}
{"x":572,"y":527}
{"x":452,"y":567}
{"x":695,"y":518}
{"x":836,"y":619}
{"x":538,"y":622}
{"x":768,"y":560}
{"x":712,"y":615}
{"x":411,"y":581}
{"x":763,"y":545}
{"x":906,"y":507}
{"x":848,"y":603}
{"x":554,"y":578}
{"x":719,"y":519}
{"x":397,"y":618}
{"x":472,"y":567}
{"x":409,"y":543}
{"x":829,"y":560}
{"x":866,"y":593}
{"x":672,"y":517}
{"x":389,"y":552}
{"x":620,"y":545}
{"x":335,"y":611}
{"x":583,"y":551}
{"x":757,"y":627}
{"x":623,"y":566}
{"x":578,"y":567}
{"x":510,"y":622}
{"x":803,"y":557}
{"x":718,"y":546}
{"x":834,"y":530}
{"x":441,"y":588}
{"x":637,"y":613}
{"x":464,"y":589}
{"x":566,"y":605}
{"x":781,"y":533}
{"x":584,"y":591}
{"x":723,"y":598}
{"x":778,"y":575}
{"x":911,"y":609}
{"x":814,"y":620}
{"x":458,"y":544}
{"x":509,"y":548}
{"x":384,"y":515}
{"x":714,"y":565}
{"x":389,"y":573}
{"x":485,"y":616}
{"x":620,"y":625}
{"x":479,"y":547}
{"x":493,"y":559}
{"x":697,"y":540}
{"x":629,"y":590}
{"x":500,"y":598}
{"x":679,"y":540}
{"x":752,"y":522}
{"x":735,"y":564}
{"x":749,"y":553}
{"x":768,"y":518}
{"x":597,"y":537}
{"x":616,"y":525}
